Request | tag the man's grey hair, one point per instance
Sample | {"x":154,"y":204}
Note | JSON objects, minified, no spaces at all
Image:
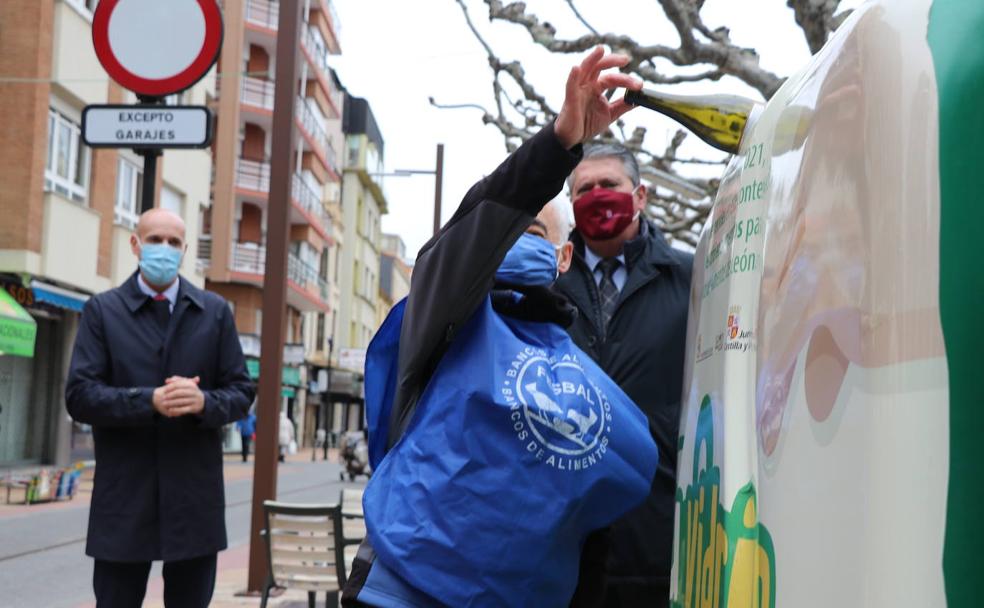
{"x":599,"y":149}
{"x":563,"y":214}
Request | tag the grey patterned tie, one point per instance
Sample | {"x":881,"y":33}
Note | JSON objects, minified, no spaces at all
{"x":607,"y":289}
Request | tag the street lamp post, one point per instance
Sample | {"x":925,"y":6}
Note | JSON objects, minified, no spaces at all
{"x":437,"y":172}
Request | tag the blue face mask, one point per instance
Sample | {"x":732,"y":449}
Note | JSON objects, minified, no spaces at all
{"x":159,"y":263}
{"x":531,"y":261}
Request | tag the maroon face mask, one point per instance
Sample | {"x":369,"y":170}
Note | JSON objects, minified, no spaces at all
{"x":602,"y":214}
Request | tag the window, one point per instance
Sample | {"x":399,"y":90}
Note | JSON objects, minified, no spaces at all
{"x":320,"y":339}
{"x":67,"y":166}
{"x":323,"y":266}
{"x":172,"y":200}
{"x":353,"y":151}
{"x":129,"y":185}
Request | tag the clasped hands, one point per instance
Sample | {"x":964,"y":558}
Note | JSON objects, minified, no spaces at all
{"x":179,"y":396}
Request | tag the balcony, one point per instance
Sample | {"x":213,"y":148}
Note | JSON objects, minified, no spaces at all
{"x":204,"y":260}
{"x":317,"y":51}
{"x":257,"y":92}
{"x":255,"y":175}
{"x":263,"y":13}
{"x":249,"y":258}
{"x":310,"y":125}
{"x":305,"y":196}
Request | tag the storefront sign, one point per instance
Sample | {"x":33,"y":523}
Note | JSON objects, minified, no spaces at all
{"x":22,"y":295}
{"x":17,"y":328}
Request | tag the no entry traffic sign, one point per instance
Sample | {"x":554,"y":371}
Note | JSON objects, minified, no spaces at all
{"x":146,"y":126}
{"x":154,"y":47}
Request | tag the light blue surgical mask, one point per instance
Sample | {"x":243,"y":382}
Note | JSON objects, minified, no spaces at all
{"x":159,"y":263}
{"x":530,"y":261}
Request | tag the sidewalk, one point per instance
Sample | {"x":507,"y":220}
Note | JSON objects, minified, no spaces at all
{"x":233,"y":563}
{"x":42,"y":543}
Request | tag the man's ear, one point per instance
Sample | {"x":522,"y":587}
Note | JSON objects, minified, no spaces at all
{"x":564,"y":257}
{"x":639,"y":198}
{"x":135,"y":245}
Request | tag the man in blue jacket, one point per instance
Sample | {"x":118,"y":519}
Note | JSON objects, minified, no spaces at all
{"x":157,"y":371}
{"x":479,"y":285}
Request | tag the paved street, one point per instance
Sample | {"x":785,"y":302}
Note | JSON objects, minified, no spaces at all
{"x":42,"y":559}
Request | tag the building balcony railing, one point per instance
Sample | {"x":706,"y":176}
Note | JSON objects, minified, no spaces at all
{"x":317,"y":51}
{"x":263,"y":13}
{"x":204,"y":252}
{"x":336,"y":23}
{"x":310,"y":124}
{"x":309,"y":199}
{"x":332,"y":157}
{"x":255,"y":175}
{"x":251,"y":259}
{"x":257,"y":92}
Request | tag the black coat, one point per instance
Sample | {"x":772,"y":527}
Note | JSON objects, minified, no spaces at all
{"x":644,"y":352}
{"x":158,"y":488}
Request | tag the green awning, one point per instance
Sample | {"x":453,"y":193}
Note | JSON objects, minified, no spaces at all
{"x":17,"y":328}
{"x":290,"y":376}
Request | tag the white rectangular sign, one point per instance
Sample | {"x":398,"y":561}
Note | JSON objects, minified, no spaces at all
{"x":146,"y":126}
{"x":353,"y":359}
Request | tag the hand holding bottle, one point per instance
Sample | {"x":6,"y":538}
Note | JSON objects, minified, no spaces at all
{"x":586,"y":111}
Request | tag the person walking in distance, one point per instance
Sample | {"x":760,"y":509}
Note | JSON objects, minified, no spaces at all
{"x":247,"y":428}
{"x":157,"y":370}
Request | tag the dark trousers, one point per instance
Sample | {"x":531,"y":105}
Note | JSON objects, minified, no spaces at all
{"x":187,"y":584}
{"x":246,"y":441}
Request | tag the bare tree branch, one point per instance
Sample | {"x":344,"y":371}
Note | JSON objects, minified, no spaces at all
{"x":817,"y":20}
{"x":679,"y":204}
{"x":577,"y":14}
{"x":742,"y":63}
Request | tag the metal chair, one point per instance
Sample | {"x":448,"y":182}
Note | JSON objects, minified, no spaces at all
{"x":353,"y":523}
{"x":305,"y":549}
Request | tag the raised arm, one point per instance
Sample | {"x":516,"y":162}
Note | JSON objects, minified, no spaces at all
{"x":454,"y":271}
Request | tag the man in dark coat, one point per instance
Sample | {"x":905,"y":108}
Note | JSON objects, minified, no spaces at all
{"x":157,"y":371}
{"x":632,"y":292}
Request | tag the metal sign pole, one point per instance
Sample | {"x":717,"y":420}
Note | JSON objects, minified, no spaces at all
{"x":273,"y":330}
{"x":439,"y":178}
{"x":149,"y":165}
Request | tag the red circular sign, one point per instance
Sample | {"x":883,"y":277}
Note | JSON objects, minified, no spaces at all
{"x":157,"y":48}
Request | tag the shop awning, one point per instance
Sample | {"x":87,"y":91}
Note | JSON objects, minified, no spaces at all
{"x":58,"y":296}
{"x":17,"y":328}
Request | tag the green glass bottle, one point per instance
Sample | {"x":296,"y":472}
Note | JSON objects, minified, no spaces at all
{"x":717,"y":119}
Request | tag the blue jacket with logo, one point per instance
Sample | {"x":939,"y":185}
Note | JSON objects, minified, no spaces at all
{"x":489,"y":436}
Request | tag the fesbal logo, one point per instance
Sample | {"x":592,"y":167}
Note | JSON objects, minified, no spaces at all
{"x":557,"y":413}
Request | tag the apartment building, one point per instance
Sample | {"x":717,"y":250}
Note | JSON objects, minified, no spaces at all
{"x":67,"y":212}
{"x":363,"y":204}
{"x":234,"y":240}
{"x":394,"y":274}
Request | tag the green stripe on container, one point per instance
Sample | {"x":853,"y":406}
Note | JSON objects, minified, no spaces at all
{"x":956,"y":39}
